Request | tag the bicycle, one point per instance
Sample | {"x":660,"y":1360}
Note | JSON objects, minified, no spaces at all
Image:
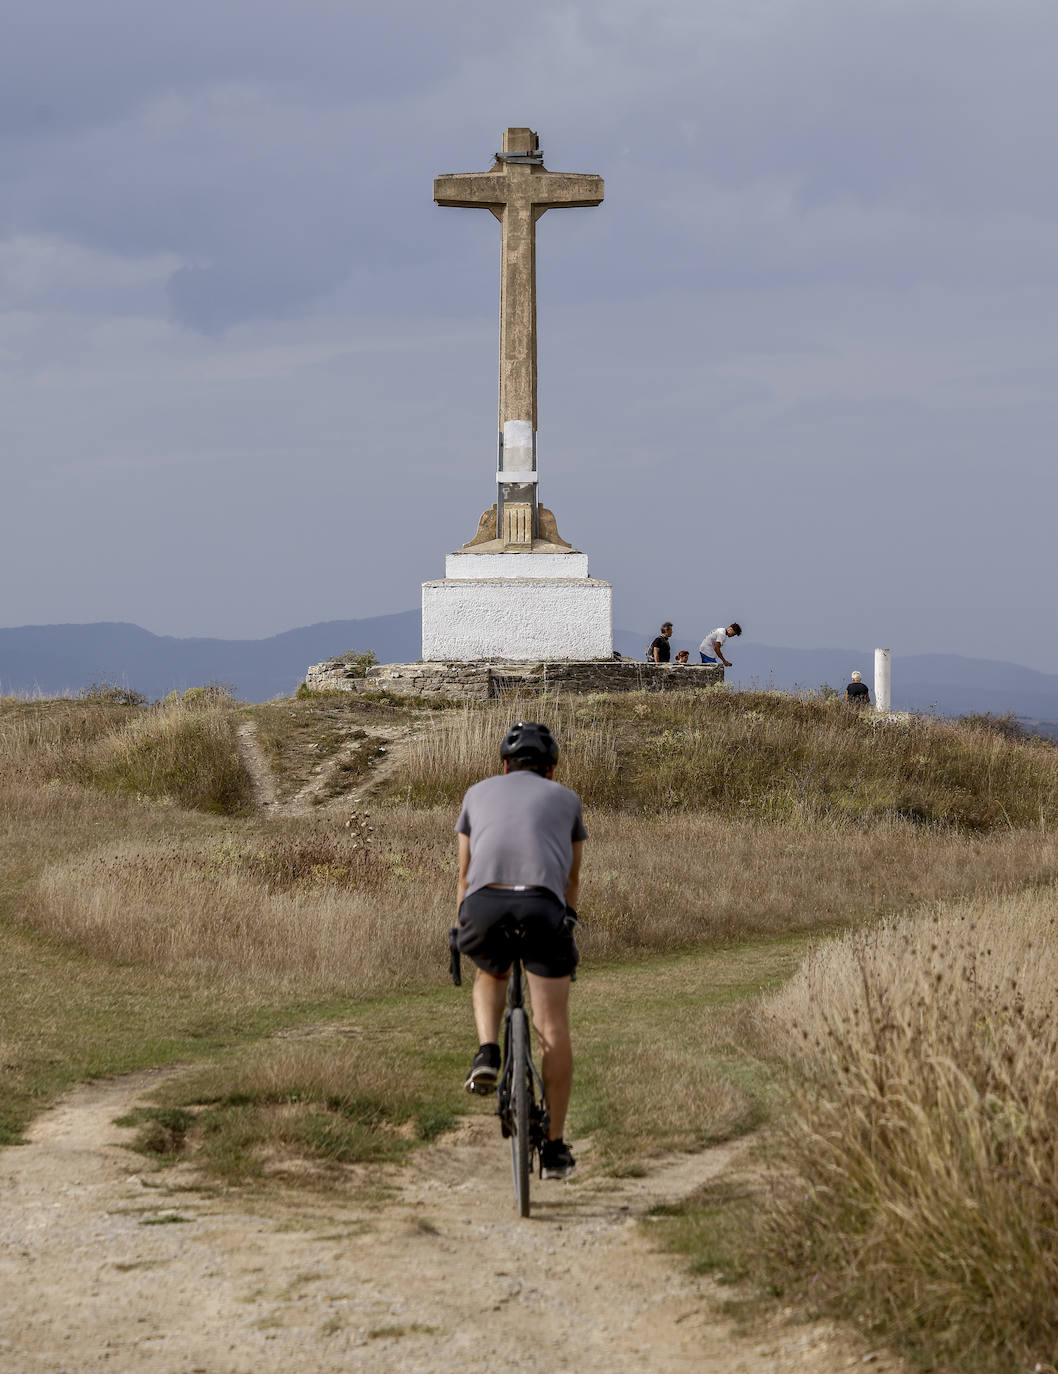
{"x":520,"y":1101}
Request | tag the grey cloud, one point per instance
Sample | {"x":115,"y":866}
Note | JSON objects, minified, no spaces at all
{"x":278,"y":149}
{"x":67,"y":65}
{"x":812,"y":323}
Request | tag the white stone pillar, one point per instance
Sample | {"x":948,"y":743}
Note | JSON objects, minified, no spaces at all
{"x":881,"y":679}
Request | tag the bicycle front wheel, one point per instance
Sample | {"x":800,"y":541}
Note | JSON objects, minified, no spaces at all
{"x":520,"y":1104}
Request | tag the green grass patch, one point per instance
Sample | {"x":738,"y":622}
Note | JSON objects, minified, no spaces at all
{"x":665,"y":1058}
{"x":713,"y":1230}
{"x":385,"y":1080}
{"x":190,"y":758}
{"x":160,"y":1131}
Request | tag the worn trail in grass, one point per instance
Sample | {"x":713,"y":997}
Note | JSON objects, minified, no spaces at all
{"x":68,"y":1018}
{"x":108,"y":1263}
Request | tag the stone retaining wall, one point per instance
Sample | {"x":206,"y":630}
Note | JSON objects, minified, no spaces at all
{"x":482,"y":681}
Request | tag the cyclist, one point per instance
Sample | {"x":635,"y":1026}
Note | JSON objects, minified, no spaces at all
{"x":521,"y":835}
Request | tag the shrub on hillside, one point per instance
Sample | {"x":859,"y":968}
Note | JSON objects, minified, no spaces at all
{"x":209,"y":694}
{"x":111,"y":694}
{"x":186,"y":753}
{"x":356,"y":662}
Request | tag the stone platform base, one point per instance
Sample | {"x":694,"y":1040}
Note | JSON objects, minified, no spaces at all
{"x":481,"y":681}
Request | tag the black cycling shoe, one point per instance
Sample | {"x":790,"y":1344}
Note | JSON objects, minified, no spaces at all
{"x":556,"y":1159}
{"x":484,"y":1071}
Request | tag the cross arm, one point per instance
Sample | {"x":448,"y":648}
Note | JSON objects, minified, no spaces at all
{"x":554,"y":190}
{"x":469,"y":189}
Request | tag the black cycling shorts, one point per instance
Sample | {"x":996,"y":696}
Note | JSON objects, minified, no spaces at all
{"x":487,"y":916}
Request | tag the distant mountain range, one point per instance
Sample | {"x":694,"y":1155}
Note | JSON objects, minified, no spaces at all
{"x":54,"y":659}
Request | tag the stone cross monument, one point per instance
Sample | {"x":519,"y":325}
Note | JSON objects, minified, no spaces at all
{"x":518,"y":190}
{"x":517,"y":590}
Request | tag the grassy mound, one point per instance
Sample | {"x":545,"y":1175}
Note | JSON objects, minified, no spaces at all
{"x":183,"y":750}
{"x":756,"y":755}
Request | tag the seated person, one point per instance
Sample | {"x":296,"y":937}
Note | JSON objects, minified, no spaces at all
{"x":857,"y":693}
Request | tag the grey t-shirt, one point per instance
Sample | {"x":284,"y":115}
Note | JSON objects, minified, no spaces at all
{"x":521,"y":828}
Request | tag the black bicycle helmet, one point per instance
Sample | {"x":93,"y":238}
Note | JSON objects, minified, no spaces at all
{"x":526,"y":739}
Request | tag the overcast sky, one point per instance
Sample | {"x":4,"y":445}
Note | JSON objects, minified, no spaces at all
{"x":799,"y":369}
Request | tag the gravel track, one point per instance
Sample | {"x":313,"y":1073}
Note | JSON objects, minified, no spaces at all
{"x":419,"y":1268}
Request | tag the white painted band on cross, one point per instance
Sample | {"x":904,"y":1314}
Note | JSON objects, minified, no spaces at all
{"x":516,"y":475}
{"x":517,"y":447}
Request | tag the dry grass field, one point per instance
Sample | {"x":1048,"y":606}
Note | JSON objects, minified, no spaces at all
{"x":923,"y":1150}
{"x":149,"y":914}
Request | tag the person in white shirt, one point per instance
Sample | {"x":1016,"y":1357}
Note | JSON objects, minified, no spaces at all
{"x":712,"y":646}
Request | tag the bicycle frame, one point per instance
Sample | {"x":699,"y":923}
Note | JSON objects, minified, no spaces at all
{"x":520,"y":1101}
{"x":540,"y":1116}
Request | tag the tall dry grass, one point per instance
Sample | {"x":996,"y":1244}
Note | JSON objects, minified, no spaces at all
{"x":672,"y":882}
{"x":45,"y":740}
{"x":183,"y":751}
{"x":304,"y":909}
{"x":762,"y":755}
{"x":311,"y":906}
{"x":924,"y":1144}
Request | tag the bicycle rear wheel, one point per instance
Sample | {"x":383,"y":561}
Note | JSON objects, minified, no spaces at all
{"x":520,"y":1108}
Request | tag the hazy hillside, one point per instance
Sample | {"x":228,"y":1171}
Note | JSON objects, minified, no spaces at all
{"x":52,"y":659}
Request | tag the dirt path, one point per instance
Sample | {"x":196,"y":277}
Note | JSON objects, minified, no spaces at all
{"x":107,"y":1266}
{"x":311,"y":799}
{"x":262,"y":778}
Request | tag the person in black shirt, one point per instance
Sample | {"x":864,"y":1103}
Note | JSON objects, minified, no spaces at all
{"x":659,"y":646}
{"x":857,"y":692}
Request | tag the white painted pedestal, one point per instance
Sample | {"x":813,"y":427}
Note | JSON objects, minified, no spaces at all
{"x":522,"y":607}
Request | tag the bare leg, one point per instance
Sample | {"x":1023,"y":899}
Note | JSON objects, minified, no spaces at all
{"x":488,"y":1000}
{"x":550,"y":999}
